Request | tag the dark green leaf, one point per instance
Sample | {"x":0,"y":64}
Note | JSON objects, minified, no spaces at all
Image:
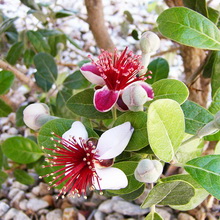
{"x":133,"y":195}
{"x":160,"y":70}
{"x":76,"y":81}
{"x":197,"y":5}
{"x":28,"y":57}
{"x":128,"y":167}
{"x":215,"y":79}
{"x":6,"y":80}
{"x":6,"y":24}
{"x":49,"y":33}
{"x":215,"y":105}
{"x":206,"y":171}
{"x":208,"y":68}
{"x":30,"y":4}
{"x":21,"y":150}
{"x":23,"y":177}
{"x":82,"y":104}
{"x":135,"y":34}
{"x":15,"y":53}
{"x":3,"y":177}
{"x":213,"y":15}
{"x":187,"y":26}
{"x":19,"y":116}
{"x":4,"y":109}
{"x":196,"y":116}
{"x":173,"y":192}
{"x":138,"y":121}
{"x":38,"y":42}
{"x":46,"y":67}
{"x":64,"y":13}
{"x":1,"y":157}
{"x":170,"y":89}
{"x":42,"y":82}
{"x":54,"y":41}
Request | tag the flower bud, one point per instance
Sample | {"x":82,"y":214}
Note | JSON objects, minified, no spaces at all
{"x":148,"y":171}
{"x":35,"y":115}
{"x":134,"y":97}
{"x":149,"y":42}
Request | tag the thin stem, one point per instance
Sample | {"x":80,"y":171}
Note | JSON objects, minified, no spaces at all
{"x":114,"y":113}
{"x":152,"y":208}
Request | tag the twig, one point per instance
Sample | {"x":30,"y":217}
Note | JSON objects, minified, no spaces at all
{"x":7,"y":100}
{"x":166,"y":51}
{"x":21,"y":76}
{"x":192,"y":79}
{"x":67,"y":64}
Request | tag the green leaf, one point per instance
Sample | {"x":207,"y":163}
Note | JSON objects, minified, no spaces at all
{"x":50,"y":33}
{"x":129,"y":17}
{"x":64,"y":13}
{"x":76,"y":81}
{"x":153,"y":216}
{"x":138,"y":121}
{"x":159,"y":68}
{"x":54,"y":40}
{"x":73,"y":42}
{"x":217,"y":148}
{"x":19,"y":116}
{"x":164,"y":133}
{"x":189,"y":150}
{"x":1,"y":157}
{"x":6,"y":81}
{"x":21,"y":150}
{"x":5,"y":109}
{"x":186,"y":26}
{"x":31,"y":4}
{"x":28,"y":57}
{"x":206,"y":171}
{"x":15,"y":53}
{"x":39,"y":15}
{"x":215,"y":105}
{"x":133,"y":195}
{"x":173,"y":192}
{"x":38,"y":42}
{"x":3,"y":177}
{"x":46,"y":67}
{"x":82,"y":105}
{"x":170,"y":89}
{"x":196,"y":116}
{"x":213,"y":15}
{"x":215,"y":79}
{"x":135,"y":34}
{"x":6,"y":24}
{"x":200,"y":193}
{"x":208,"y":68}
{"x":128,"y":167}
{"x":197,"y":5}
{"x":23,"y":177}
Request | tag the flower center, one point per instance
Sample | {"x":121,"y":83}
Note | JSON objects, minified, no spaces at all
{"x":119,"y":70}
{"x":75,"y":163}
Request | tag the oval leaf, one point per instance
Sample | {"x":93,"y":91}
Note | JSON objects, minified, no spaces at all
{"x":82,"y":104}
{"x":46,"y":67}
{"x":6,"y":80}
{"x":4,"y":109}
{"x":138,"y":121}
{"x":159,"y":68}
{"x":215,"y":79}
{"x":186,"y":26}
{"x":196,"y":116}
{"x":153,"y":216}
{"x":21,"y":150}
{"x":174,"y":192}
{"x":206,"y":171}
{"x":23,"y":177}
{"x":170,"y":89}
{"x":165,"y":126}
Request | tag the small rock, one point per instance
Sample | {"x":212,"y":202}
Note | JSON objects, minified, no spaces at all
{"x":99,"y":215}
{"x":22,"y":216}
{"x":42,"y":189}
{"x":49,"y":199}
{"x":115,"y":216}
{"x":164,"y":213}
{"x":18,"y":197}
{"x":36,"y":190}
{"x":23,"y":204}
{"x":185,"y":216}
{"x":76,"y":201}
{"x":3,"y":208}
{"x":12,"y":131}
{"x":127,"y":208}
{"x":18,"y":185}
{"x":81,"y":216}
{"x":42,"y":217}
{"x":13,"y":192}
{"x":10,"y":214}
{"x":106,"y":206}
{"x":43,"y":212}
{"x":30,"y":195}
{"x":70,"y":214}
{"x":35,"y":204}
{"x":55,"y":214}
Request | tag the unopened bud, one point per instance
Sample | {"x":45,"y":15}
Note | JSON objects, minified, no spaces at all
{"x":149,"y":42}
{"x":134,"y":96}
{"x":35,"y":115}
{"x":148,"y":171}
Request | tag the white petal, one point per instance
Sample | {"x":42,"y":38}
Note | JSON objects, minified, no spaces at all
{"x":77,"y":131}
{"x":114,"y":141}
{"x":111,"y":178}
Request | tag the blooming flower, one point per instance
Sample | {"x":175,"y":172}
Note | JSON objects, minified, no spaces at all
{"x":85,"y":162}
{"x":114,"y":72}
